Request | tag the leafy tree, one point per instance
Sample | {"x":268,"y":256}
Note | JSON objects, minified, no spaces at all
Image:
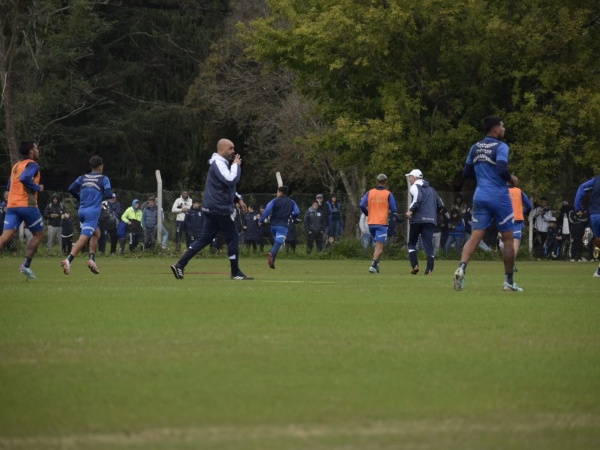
{"x":406,"y":83}
{"x":107,"y":77}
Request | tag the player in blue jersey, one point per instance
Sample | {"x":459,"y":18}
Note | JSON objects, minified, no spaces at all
{"x":488,"y":163}
{"x":280,"y":209}
{"x":592,"y":185}
{"x":90,"y":190}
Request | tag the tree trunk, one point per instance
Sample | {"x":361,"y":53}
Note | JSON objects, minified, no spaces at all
{"x":9,"y":111}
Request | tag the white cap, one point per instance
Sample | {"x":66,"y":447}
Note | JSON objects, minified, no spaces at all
{"x":415,"y":173}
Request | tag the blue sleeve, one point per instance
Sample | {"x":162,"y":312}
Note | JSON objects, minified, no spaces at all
{"x":107,"y":189}
{"x":393,"y":207}
{"x":526,"y":203}
{"x":502,"y":170}
{"x":502,"y":153}
{"x":469,"y":171}
{"x":363,"y":204}
{"x":296,"y":211}
{"x":28,"y":174}
{"x":267,"y":212}
{"x":74,"y":188}
{"x":589,"y":184}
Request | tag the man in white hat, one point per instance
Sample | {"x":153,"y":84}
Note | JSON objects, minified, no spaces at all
{"x":422,"y":212}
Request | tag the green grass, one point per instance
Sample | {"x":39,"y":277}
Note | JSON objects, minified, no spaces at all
{"x":313,"y":355}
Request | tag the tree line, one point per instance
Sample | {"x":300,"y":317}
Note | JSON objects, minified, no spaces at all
{"x":328,"y":92}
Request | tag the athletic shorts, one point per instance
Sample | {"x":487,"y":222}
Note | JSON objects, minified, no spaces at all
{"x":498,"y":209}
{"x":279,"y":233}
{"x":379,"y":233}
{"x":30,"y":215}
{"x":89,"y":221}
{"x":517,"y":229}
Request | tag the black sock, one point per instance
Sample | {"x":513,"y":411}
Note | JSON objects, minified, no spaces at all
{"x":70,"y":258}
{"x":92,"y":257}
{"x":27,"y":262}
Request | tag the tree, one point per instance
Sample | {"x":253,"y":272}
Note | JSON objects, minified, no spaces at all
{"x":40,"y":45}
{"x":404,"y":84}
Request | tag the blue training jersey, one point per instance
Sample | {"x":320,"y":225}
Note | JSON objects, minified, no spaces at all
{"x":280,"y":209}
{"x":91,"y":189}
{"x":483,"y":156}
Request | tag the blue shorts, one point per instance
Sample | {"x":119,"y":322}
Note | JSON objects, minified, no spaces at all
{"x":89,"y":221}
{"x":31,"y":216}
{"x":379,"y":233}
{"x":279,"y":233}
{"x":517,"y":229}
{"x":498,"y":209}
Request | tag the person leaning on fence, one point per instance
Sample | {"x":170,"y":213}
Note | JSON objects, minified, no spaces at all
{"x":376,"y":204}
{"x":132,"y":217}
{"x":66,"y":226}
{"x":180,"y":206}
{"x":220,"y":197}
{"x":252,"y":231}
{"x":336,"y":219}
{"x":193,"y":222}
{"x":313,"y":227}
{"x":52,"y":214}
{"x":553,"y":239}
{"x":150,"y":224}
{"x":365,"y":235}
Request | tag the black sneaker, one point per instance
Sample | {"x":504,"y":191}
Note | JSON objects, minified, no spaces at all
{"x":177,"y":271}
{"x":241,"y":276}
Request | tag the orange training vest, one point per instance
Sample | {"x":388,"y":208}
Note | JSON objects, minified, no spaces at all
{"x":517,"y":202}
{"x":20,"y":196}
{"x":378,"y":204}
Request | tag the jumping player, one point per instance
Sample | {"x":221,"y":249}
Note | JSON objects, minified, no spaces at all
{"x":280,"y":209}
{"x":90,"y":190}
{"x":23,"y":187}
{"x":488,"y":163}
{"x":593,"y":209}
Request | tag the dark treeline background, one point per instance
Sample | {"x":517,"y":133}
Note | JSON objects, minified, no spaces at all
{"x":329,"y":92}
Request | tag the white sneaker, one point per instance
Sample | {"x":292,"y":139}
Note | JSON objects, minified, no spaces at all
{"x":66,"y":265}
{"x":596,"y":274}
{"x":511,"y":287}
{"x":93,"y":267}
{"x":459,"y":279}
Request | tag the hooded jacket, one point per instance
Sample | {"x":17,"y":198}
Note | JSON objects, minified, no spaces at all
{"x":53,"y":208}
{"x":131,"y":213}
{"x":219,"y":191}
{"x":425,"y":203}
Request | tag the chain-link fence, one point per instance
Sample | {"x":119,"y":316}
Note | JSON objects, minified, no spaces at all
{"x":346,"y":227}
{"x":343,"y":228}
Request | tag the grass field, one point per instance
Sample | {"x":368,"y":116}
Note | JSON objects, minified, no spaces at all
{"x":312,"y":355}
